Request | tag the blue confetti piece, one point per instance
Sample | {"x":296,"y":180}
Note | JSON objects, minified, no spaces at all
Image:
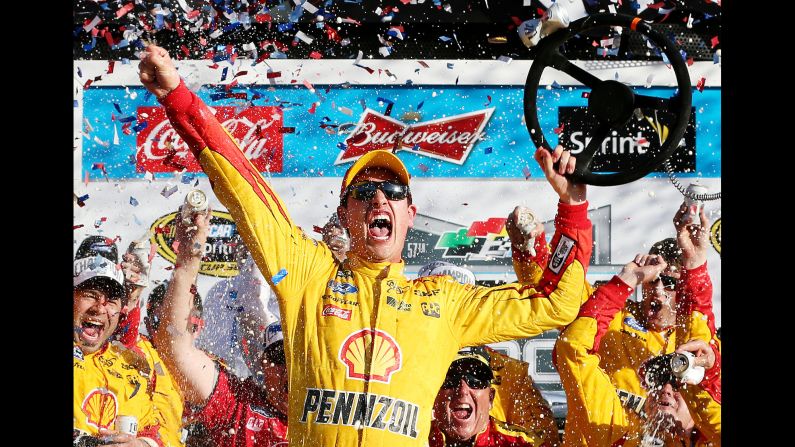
{"x":224,"y":73}
{"x":90,"y":46}
{"x":82,"y":198}
{"x":125,"y":61}
{"x":278,"y":55}
{"x":296,"y":14}
{"x":665,"y":59}
{"x":715,"y":58}
{"x":342,"y":146}
{"x":133,"y":202}
{"x":79,"y":73}
{"x":147,"y":95}
{"x":445,"y":38}
{"x":140,"y":126}
{"x":188,"y":177}
{"x":232,"y":27}
{"x":122,"y":44}
{"x":118,"y":109}
{"x":221,"y":57}
{"x":488,"y":150}
{"x":104,"y":6}
{"x":127,"y":119}
{"x":555,"y":84}
{"x":159,"y":21}
{"x":388,"y":101}
{"x":416,"y":147}
{"x":419,"y":106}
{"x":217,"y":96}
{"x":282,"y":27}
{"x":76,"y":103}
{"x":410,"y":82}
{"x":279,"y":276}
{"x":450,"y":65}
{"x":131,"y":159}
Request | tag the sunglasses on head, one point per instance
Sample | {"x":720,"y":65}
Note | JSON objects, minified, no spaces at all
{"x":472,"y":381}
{"x":366,"y":190}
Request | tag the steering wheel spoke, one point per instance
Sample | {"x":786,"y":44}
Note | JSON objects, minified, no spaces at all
{"x":585,"y":158}
{"x":559,"y":62}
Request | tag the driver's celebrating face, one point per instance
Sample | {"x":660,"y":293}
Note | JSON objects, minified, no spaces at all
{"x":366,"y":348}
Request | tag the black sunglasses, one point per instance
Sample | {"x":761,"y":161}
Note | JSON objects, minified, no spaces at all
{"x":366,"y":190}
{"x":472,"y":381}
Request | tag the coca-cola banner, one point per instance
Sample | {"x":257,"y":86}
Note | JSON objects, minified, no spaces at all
{"x":298,"y":131}
{"x":256,"y":129}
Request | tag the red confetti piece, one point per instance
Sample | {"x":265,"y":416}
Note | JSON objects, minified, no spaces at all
{"x":230,"y":85}
{"x":74,"y":227}
{"x":489,"y":100}
{"x":193,"y":14}
{"x":315,"y":55}
{"x":111,"y":64}
{"x":312,"y":109}
{"x":124,"y":9}
{"x":262,"y":18}
{"x":274,"y":74}
{"x":317,"y":229}
{"x":700,"y":84}
{"x":87,"y":84}
{"x":424,"y":64}
{"x":586,"y":94}
{"x":241,"y":73}
{"x":213,"y":66}
{"x":558,"y":130}
{"x":642,"y":141}
{"x":689,"y":61}
{"x":287,"y":130}
{"x":308,"y":85}
{"x":185,"y":50}
{"x":714,"y":41}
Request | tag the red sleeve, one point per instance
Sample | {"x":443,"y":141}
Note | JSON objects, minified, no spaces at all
{"x":695,"y":288}
{"x":604,"y":304}
{"x":542,"y":252}
{"x":181,"y":99}
{"x":223,"y":403}
{"x":573,"y":241}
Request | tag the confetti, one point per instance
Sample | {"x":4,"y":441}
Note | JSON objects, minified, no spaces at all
{"x":75,"y":227}
{"x":98,"y":223}
{"x":526,"y":172}
{"x":422,"y":167}
{"x":303,"y":37}
{"x":714,"y":41}
{"x":133,"y":201}
{"x":279,"y":276}
{"x":424,"y":64}
{"x":445,"y":38}
{"x":450,"y":65}
{"x":309,"y":86}
{"x":505,"y":59}
{"x":488,"y":150}
{"x":168,"y":191}
{"x":274,"y":74}
{"x":700,"y":84}
{"x":345,"y":110}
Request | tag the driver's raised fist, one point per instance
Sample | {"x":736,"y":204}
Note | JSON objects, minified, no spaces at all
{"x":157,"y":71}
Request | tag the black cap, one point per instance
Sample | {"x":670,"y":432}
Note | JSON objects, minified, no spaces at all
{"x":98,"y":246}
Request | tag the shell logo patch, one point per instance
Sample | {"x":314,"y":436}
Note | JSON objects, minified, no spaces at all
{"x":714,"y":235}
{"x":370,"y":347}
{"x":100,"y":408}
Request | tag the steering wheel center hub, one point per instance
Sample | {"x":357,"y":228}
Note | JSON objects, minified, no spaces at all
{"x":612,"y":102}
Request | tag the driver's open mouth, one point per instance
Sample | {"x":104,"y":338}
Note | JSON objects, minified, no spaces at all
{"x":380,"y":226}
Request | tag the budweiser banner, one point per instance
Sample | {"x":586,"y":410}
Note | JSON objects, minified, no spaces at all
{"x":448,"y":139}
{"x":292,"y":131}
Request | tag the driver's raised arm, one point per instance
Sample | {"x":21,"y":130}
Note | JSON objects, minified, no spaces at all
{"x":284,"y":254}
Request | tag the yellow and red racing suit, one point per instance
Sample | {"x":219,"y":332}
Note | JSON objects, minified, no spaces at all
{"x":496,"y":434}
{"x":367,"y":349}
{"x":596,"y":414}
{"x":624,"y":343}
{"x":111,"y":382}
{"x":168,"y":402}
{"x":517,"y":401}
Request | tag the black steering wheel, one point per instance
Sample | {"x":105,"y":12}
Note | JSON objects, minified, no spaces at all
{"x":610,"y":102}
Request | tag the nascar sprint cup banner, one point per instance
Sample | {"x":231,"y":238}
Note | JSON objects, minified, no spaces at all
{"x":457,"y":125}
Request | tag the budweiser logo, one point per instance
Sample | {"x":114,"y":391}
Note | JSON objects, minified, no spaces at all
{"x":334,"y":311}
{"x":257,"y":130}
{"x":449,"y":139}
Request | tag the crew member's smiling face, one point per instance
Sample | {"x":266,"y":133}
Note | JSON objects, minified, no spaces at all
{"x":377,"y":226}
